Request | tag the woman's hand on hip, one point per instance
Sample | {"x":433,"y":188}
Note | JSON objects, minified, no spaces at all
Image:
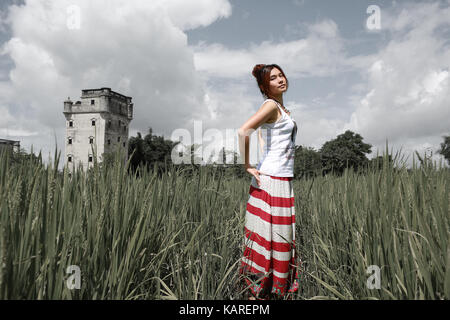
{"x":254,"y":172}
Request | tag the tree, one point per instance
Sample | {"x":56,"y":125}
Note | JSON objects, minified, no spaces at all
{"x":347,"y":150}
{"x":150,"y":151}
{"x":233,"y":169}
{"x":307,"y":162}
{"x":136,"y":145}
{"x":21,"y":156}
{"x":445,"y":148}
{"x":377,"y":162}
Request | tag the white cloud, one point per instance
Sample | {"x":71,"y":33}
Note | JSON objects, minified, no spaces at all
{"x":405,"y":94}
{"x":9,"y":127}
{"x":193,"y":14}
{"x":137,"y":48}
{"x":298,"y":2}
{"x":319,"y":54}
{"x":315,"y":126}
{"x":408,"y":96}
{"x":325,"y":29}
{"x":6,"y":117}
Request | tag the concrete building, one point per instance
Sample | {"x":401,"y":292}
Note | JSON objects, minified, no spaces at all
{"x":12,"y":145}
{"x":99,"y":122}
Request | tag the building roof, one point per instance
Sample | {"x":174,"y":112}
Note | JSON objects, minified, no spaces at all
{"x":9,"y":141}
{"x":103,"y":90}
{"x":13,"y":143}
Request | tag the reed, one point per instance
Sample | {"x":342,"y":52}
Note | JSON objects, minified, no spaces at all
{"x":179,"y":236}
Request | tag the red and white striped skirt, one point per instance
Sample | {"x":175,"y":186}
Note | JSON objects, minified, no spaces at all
{"x":269,"y":260}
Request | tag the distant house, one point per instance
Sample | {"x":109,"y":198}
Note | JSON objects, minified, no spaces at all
{"x":100,"y":122}
{"x":10,"y":144}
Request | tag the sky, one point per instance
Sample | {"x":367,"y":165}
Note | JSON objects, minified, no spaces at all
{"x":381,"y":72}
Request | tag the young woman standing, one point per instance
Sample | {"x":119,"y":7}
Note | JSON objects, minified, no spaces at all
{"x":269,"y":262}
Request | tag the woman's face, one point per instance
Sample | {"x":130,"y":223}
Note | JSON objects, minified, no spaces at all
{"x":277,"y":82}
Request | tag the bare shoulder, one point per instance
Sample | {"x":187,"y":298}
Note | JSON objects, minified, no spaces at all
{"x":270,"y":108}
{"x":269,"y":105}
{"x":266,"y":113}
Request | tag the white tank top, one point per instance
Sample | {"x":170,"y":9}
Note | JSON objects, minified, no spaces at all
{"x":277,"y":145}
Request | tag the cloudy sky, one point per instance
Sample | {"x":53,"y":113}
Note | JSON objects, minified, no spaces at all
{"x":383,"y":76}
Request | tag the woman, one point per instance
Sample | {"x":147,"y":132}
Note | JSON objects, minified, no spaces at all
{"x":269,"y":262}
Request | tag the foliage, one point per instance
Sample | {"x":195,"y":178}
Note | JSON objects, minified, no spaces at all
{"x":21,"y":156}
{"x":150,"y":152}
{"x":173,"y":236}
{"x":346,"y":151}
{"x":307,"y":162}
{"x":445,"y":148}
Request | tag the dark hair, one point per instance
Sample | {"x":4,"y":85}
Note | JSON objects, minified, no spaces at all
{"x":262,"y":74}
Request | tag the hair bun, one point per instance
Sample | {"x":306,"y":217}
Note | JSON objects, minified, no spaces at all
{"x":257,"y":70}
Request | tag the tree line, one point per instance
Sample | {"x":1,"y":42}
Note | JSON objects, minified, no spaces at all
{"x":347,"y":150}
{"x":153,"y":152}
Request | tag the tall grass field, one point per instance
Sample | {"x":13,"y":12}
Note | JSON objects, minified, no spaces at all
{"x":179,"y":236}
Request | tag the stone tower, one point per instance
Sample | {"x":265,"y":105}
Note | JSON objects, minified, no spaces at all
{"x":100,"y":121}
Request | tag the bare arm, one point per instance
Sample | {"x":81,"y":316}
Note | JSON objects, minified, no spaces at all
{"x":268,"y":110}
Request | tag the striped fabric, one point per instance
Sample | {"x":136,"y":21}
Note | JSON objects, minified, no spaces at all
{"x":269,"y":261}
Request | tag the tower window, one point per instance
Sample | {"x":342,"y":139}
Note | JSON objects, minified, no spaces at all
{"x":69,"y":158}
{"x":109,"y":124}
{"x":109,"y":141}
{"x":70,"y":123}
{"x":90,"y":158}
{"x":124,"y":144}
{"x":118,"y":139}
{"x":92,"y":102}
{"x":70,"y":141}
{"x":93,"y":122}
{"x":91,"y":140}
